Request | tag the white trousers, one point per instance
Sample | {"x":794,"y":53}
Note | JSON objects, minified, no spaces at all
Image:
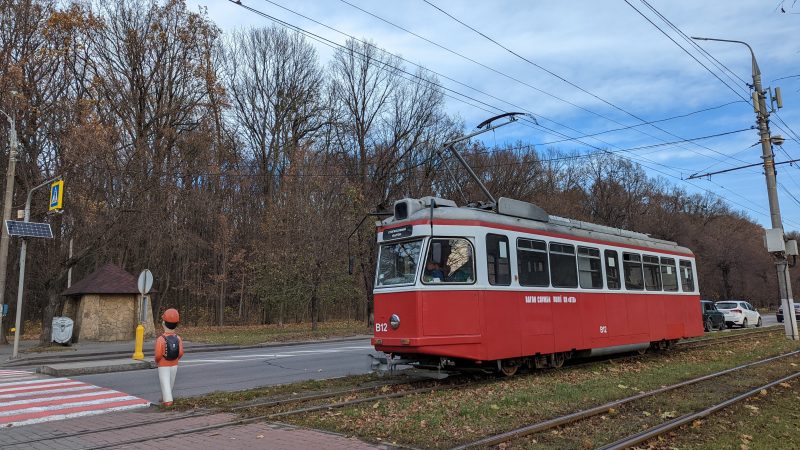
{"x":166,"y":377}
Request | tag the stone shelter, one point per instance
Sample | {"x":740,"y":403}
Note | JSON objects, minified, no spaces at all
{"x":105,"y":306}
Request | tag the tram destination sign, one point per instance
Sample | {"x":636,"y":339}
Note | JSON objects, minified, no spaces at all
{"x":397,"y":233}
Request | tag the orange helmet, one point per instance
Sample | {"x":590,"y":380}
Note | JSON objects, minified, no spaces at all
{"x":171,"y":315}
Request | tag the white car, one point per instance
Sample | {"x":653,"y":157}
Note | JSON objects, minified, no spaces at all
{"x":739,"y":312}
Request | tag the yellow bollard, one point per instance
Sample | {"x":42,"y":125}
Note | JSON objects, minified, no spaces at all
{"x":138,"y":353}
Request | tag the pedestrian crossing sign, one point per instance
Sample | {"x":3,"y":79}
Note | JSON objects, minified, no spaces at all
{"x":56,"y":195}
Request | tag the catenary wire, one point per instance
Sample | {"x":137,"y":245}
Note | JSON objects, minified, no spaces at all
{"x":550,"y":72}
{"x":333,"y":44}
{"x":536,"y":114}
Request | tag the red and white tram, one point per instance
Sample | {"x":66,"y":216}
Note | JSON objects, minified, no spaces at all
{"x":512,"y":287}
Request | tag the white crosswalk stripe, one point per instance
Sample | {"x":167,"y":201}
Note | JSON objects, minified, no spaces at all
{"x":27,"y":398}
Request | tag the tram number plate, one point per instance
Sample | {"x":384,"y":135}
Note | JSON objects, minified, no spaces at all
{"x":603,"y":329}
{"x":381,"y":327}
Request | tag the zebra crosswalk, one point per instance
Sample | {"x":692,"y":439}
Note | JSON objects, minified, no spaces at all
{"x":26,"y":398}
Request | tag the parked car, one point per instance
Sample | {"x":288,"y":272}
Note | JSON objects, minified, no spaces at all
{"x":712,"y":318}
{"x":779,"y":314}
{"x":739,"y":312}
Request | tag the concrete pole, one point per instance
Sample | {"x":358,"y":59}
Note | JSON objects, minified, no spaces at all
{"x":781,"y":265}
{"x":7,"y":200}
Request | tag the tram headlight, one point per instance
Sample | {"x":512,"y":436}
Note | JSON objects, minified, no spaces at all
{"x":394,"y":321}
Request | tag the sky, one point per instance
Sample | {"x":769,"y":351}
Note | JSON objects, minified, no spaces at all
{"x":600,"y":68}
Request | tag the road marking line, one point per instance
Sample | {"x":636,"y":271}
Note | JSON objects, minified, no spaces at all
{"x":50,"y":404}
{"x":40,"y":388}
{"x":47,"y":414}
{"x":31,"y":382}
{"x":29,"y":400}
{"x":50,"y":391}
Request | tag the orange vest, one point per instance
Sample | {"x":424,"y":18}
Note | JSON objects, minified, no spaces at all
{"x":161,"y":349}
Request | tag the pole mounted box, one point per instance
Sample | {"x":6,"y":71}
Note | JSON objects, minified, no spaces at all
{"x":774,"y":241}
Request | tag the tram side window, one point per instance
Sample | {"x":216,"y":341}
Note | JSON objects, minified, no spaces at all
{"x":652,"y":273}
{"x":563,"y":270}
{"x":532,"y":263}
{"x":668,"y":274}
{"x":687,"y":276}
{"x":632,"y":265}
{"x":590,"y":274}
{"x":612,"y":269}
{"x":497,"y":259}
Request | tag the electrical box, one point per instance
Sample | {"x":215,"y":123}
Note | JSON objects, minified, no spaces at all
{"x":791,"y":247}
{"x":774,"y":240}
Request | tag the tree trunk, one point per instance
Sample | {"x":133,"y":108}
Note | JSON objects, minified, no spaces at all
{"x":53,"y":301}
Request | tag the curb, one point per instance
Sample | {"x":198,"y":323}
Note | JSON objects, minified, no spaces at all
{"x":91,"y":370}
{"x":99,"y":356}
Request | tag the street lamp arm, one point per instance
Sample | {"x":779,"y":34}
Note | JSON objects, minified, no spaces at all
{"x":756,"y":70}
{"x":30,"y":195}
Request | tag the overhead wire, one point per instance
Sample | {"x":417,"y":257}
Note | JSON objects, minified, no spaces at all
{"x":333,"y":44}
{"x":713,"y":60}
{"x":550,"y":72}
{"x":438,"y":74}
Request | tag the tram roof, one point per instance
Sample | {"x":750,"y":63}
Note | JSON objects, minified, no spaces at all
{"x":551,"y":224}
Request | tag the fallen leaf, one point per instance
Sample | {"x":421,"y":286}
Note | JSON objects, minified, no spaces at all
{"x":375,"y":406}
{"x":752,"y":407}
{"x":763,"y":392}
{"x":697,"y":423}
{"x":495,"y":407}
{"x":786,"y":385}
{"x":260,"y":436}
{"x":646,"y":414}
{"x":669,"y":415}
{"x":622,"y":386}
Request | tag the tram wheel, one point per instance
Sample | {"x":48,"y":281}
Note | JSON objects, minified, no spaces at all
{"x":557,"y":360}
{"x":508,"y":369}
{"x":641,"y":351}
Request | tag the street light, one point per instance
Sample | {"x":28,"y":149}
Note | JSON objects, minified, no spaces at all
{"x":781,"y":265}
{"x":7,"y":200}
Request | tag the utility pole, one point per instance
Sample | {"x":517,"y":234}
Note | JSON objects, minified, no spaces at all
{"x":781,"y":264}
{"x":7,"y":200}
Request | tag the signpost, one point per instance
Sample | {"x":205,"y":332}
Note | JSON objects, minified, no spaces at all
{"x":27,"y":229}
{"x":145,"y":283}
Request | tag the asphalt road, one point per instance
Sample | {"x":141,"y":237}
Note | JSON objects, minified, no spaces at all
{"x":202,"y":373}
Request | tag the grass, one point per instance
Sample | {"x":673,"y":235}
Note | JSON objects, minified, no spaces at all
{"x":258,"y":334}
{"x":442,"y":419}
{"x":224,"y":400}
{"x":768,"y":421}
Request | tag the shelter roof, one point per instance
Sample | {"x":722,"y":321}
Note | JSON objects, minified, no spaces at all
{"x":109,"y":279}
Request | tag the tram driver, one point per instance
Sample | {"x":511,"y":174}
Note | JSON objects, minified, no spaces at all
{"x":433,"y":273}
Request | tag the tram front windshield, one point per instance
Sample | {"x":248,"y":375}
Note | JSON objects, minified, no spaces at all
{"x":397,"y":263}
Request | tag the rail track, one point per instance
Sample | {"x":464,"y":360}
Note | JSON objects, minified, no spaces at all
{"x":403,"y":388}
{"x":647,"y":434}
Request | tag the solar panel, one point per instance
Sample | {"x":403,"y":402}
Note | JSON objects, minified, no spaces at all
{"x":28,"y":229}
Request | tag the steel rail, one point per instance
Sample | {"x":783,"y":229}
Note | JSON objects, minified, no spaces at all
{"x":691,"y":417}
{"x":580,"y":415}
